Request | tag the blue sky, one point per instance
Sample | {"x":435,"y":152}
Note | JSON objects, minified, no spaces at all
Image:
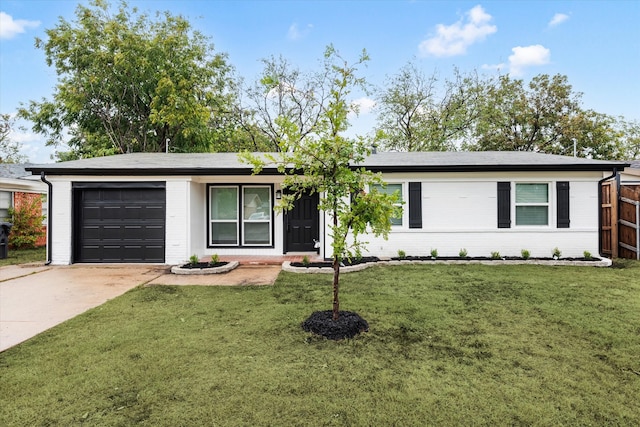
{"x":596,"y":44}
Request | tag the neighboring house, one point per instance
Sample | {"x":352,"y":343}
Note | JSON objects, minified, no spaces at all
{"x":162,"y":208}
{"x":631,"y":174}
{"x":17,"y":186}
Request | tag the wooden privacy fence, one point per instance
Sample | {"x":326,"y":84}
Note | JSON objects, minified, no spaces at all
{"x":620,"y":220}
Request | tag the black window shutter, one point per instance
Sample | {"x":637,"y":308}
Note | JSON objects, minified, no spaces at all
{"x":504,"y":205}
{"x":562,"y":188}
{"x":415,"y":205}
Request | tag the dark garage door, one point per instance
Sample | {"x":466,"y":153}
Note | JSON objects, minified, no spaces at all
{"x":119,"y":222}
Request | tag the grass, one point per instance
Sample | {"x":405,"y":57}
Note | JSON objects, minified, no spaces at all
{"x":448,"y":345}
{"x":23,"y":256}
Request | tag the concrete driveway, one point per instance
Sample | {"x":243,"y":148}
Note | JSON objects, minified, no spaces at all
{"x":36,"y":298}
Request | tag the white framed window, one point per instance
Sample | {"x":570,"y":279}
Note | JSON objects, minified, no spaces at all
{"x":240,"y":215}
{"x":393,"y":188}
{"x":5,"y":204}
{"x":532,"y":204}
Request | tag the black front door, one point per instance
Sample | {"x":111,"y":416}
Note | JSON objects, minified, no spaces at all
{"x":301,"y":224}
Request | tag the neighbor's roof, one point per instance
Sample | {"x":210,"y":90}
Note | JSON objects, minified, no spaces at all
{"x":14,"y":171}
{"x":230,"y":164}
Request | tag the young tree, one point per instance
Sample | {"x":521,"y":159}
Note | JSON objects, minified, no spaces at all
{"x":129,"y":83}
{"x":320,"y":159}
{"x":9,"y":150}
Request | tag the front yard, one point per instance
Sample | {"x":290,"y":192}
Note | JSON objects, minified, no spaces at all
{"x":448,"y":345}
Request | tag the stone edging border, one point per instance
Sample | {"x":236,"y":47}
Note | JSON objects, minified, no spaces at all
{"x":286,"y":266}
{"x":176,"y":269}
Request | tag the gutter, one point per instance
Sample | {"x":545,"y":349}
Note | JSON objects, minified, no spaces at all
{"x":49,"y":220}
{"x":613,"y":175}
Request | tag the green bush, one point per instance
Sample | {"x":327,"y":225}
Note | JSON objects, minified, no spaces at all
{"x":525,"y":254}
{"x":463,"y":253}
{"x":402,"y":254}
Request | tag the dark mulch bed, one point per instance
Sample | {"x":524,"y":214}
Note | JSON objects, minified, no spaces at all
{"x":348,"y":325}
{"x":486,"y":258}
{"x":204,"y":265}
{"x":345,"y":262}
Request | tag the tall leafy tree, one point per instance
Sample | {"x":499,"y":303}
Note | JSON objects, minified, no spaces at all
{"x":9,"y":149}
{"x":418,"y":112}
{"x":129,"y":82}
{"x":321,"y":159}
{"x":544,"y":115}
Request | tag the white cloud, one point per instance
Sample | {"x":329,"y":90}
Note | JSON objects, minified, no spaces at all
{"x":558,"y":19}
{"x":527,"y":56}
{"x":295,"y":33}
{"x":452,"y":40}
{"x":493,"y":67}
{"x":9,"y":27}
{"x":364,"y":105}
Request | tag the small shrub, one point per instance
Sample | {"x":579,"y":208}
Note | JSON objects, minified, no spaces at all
{"x":27,"y":224}
{"x":557,"y":253}
{"x":587,"y":255}
{"x":525,"y":254}
{"x":495,"y":255}
{"x":305,"y":261}
{"x":402,"y":254}
{"x":434,"y":253}
{"x":194,"y":259}
{"x":215,"y":259}
{"x":463,"y":253}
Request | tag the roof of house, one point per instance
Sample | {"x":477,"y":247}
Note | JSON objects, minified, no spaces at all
{"x":230,"y":164}
{"x":14,"y":171}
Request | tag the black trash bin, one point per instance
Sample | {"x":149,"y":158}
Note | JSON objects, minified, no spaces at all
{"x":5,"y":229}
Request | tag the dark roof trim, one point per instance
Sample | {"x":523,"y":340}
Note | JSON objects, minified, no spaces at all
{"x":500,"y":168}
{"x":151,"y":171}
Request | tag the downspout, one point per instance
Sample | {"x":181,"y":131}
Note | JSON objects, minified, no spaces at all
{"x":49,"y":221}
{"x":614,"y":175}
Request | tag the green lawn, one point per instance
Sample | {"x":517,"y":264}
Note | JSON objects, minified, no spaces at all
{"x":448,"y":345}
{"x":23,"y":256}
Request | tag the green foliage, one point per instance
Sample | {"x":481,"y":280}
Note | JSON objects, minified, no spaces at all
{"x":128,"y":82}
{"x":556,"y":253}
{"x":215,"y":259}
{"x":24,"y":256}
{"x":194,"y":259}
{"x":402,"y":254}
{"x":9,"y":150}
{"x":463,"y":253}
{"x":320,"y":159}
{"x":495,"y":255}
{"x":587,"y":255}
{"x":525,"y":254}
{"x":27,"y":224}
{"x":414,"y":114}
{"x":434,"y":253}
{"x":305,"y":261}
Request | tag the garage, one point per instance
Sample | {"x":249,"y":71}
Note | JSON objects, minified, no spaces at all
{"x":119,"y":222}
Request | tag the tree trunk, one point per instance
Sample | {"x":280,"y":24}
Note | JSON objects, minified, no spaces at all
{"x":336,"y":287}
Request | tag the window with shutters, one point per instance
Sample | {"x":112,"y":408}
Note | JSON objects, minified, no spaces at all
{"x":532,"y":204}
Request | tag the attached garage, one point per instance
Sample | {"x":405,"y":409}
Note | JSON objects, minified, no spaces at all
{"x":119,"y":222}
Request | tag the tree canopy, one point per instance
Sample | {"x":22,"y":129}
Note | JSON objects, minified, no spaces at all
{"x":9,"y":149}
{"x":128,"y":82}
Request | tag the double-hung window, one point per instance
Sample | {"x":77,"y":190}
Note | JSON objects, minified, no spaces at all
{"x":532,"y":204}
{"x":392,"y":189}
{"x":5,"y":204}
{"x":240,"y":215}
